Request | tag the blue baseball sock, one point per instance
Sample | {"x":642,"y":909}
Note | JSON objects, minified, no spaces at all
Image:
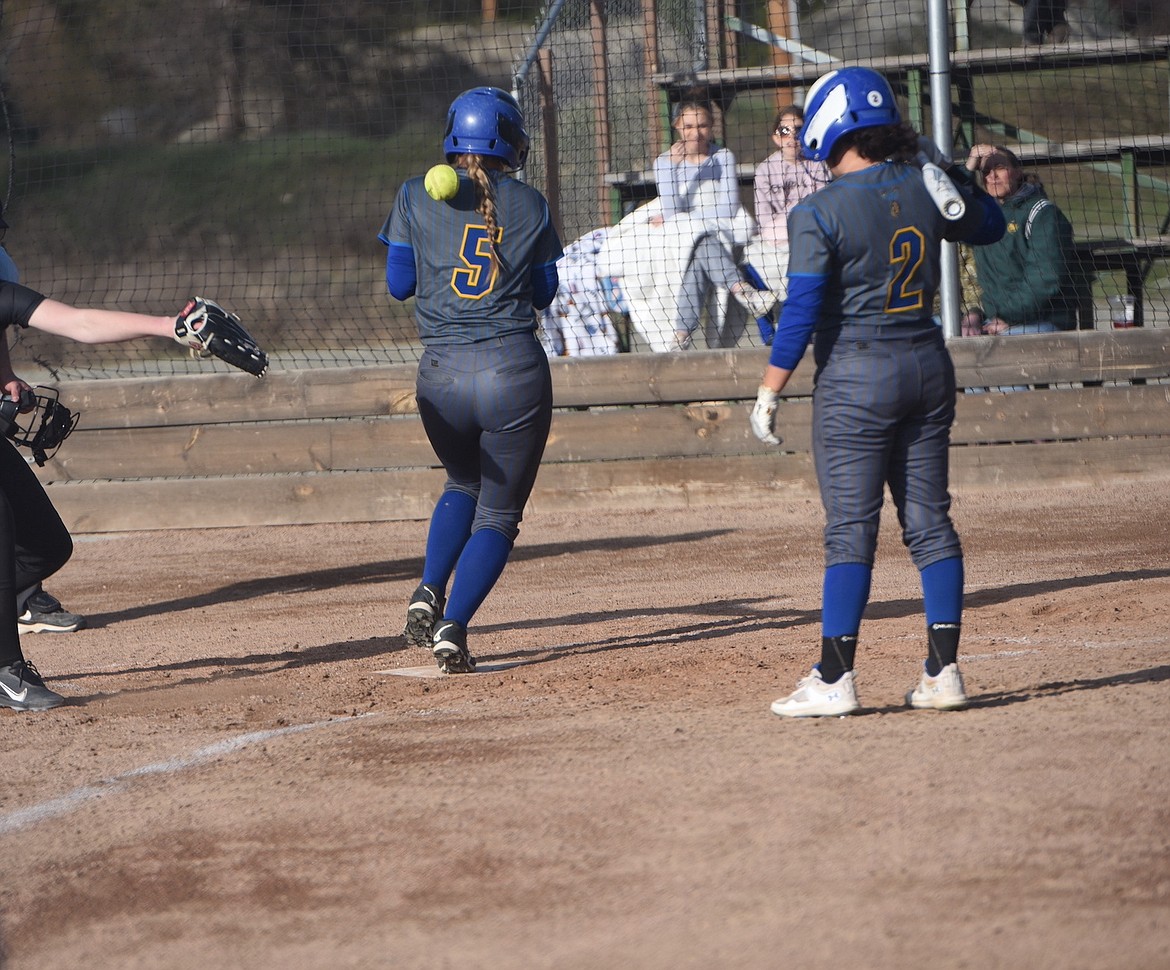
{"x":942,"y":595}
{"x":942,"y":591}
{"x":767,"y":331}
{"x":846,"y":591}
{"x":752,"y":275}
{"x":764,"y":323}
{"x":483,"y":560}
{"x":449,"y":531}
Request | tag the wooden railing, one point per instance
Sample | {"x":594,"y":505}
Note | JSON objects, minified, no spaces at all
{"x":636,"y":430}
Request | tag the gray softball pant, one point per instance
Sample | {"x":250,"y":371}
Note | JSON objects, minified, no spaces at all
{"x":882,"y":414}
{"x":487,"y":408}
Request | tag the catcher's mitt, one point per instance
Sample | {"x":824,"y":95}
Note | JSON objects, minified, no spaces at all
{"x":209,"y":329}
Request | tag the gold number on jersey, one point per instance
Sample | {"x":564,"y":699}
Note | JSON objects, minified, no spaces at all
{"x":476,"y":280}
{"x":907,"y":250}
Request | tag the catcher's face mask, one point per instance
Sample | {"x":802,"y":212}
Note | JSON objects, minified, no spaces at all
{"x":38,"y":421}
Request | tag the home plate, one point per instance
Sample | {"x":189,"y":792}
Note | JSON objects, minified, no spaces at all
{"x":434,"y":671}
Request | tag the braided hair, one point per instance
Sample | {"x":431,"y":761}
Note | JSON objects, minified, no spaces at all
{"x":479,"y":169}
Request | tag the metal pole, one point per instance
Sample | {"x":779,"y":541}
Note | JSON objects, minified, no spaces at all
{"x":937,"y":26}
{"x":597,"y":20}
{"x":552,"y":152}
{"x":521,"y":74}
{"x":778,"y":24}
{"x":655,"y":97}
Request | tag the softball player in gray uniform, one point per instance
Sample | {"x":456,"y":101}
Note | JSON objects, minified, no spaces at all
{"x":479,"y":266}
{"x":862,"y":277}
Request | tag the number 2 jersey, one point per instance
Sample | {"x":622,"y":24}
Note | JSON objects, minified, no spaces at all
{"x":873,"y":237}
{"x":865,"y":257}
{"x":460,"y":297}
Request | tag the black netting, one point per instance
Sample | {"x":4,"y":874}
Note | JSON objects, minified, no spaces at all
{"x":249,"y":150}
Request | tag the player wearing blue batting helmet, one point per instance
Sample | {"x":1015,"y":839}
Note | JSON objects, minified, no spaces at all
{"x":864,"y":266}
{"x":486,"y":121}
{"x":843,"y":101}
{"x":479,"y":264}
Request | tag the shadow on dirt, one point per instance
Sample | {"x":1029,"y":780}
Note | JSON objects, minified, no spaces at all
{"x":384,"y":571}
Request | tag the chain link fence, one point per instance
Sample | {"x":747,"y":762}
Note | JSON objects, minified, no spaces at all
{"x":249,"y":150}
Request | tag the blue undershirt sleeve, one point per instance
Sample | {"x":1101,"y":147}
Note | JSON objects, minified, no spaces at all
{"x":993,"y":225}
{"x":400,"y":272}
{"x":797,"y":320}
{"x":544,"y":285}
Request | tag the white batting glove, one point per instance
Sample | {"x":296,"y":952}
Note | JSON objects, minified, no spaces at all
{"x":763,"y":416}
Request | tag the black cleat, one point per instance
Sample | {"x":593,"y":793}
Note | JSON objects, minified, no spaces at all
{"x":426,"y":606}
{"x":22,"y":689}
{"x":450,"y":648}
{"x":43,"y":613}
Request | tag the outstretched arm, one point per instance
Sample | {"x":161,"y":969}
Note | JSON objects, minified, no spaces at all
{"x":92,"y":326}
{"x":202,"y":326}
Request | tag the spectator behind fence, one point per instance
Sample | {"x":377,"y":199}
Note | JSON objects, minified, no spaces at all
{"x":697,"y":181}
{"x":1044,"y":21}
{"x":782,"y":179}
{"x":1026,"y":276}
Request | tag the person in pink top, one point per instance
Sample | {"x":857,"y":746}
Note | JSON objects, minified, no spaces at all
{"x":782,"y":180}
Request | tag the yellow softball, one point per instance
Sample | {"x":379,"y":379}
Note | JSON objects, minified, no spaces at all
{"x":441,"y":183}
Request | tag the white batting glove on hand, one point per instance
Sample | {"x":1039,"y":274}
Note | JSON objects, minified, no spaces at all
{"x":763,"y":416}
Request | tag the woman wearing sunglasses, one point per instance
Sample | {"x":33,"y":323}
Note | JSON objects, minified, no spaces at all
{"x":782,"y":180}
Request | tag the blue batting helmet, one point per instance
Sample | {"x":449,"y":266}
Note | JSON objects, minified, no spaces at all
{"x":486,"y":121}
{"x":843,"y":101}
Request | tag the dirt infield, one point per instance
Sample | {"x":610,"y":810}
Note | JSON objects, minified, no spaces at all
{"x":237,"y":783}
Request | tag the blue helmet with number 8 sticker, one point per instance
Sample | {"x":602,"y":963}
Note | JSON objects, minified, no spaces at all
{"x":843,"y":101}
{"x":486,"y":121}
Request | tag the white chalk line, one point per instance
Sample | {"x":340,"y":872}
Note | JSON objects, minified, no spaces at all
{"x":1024,"y":651}
{"x":998,"y":655}
{"x":54,"y":807}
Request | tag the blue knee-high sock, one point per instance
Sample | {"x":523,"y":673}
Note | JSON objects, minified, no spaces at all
{"x":449,"y":532}
{"x":942,"y":596}
{"x":767,"y":330}
{"x":846,"y":591}
{"x":942,"y":591}
{"x":483,"y":560}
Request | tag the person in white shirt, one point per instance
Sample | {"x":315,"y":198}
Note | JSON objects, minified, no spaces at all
{"x":697,"y":181}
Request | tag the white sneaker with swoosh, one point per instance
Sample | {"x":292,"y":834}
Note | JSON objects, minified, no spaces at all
{"x":22,"y":689}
